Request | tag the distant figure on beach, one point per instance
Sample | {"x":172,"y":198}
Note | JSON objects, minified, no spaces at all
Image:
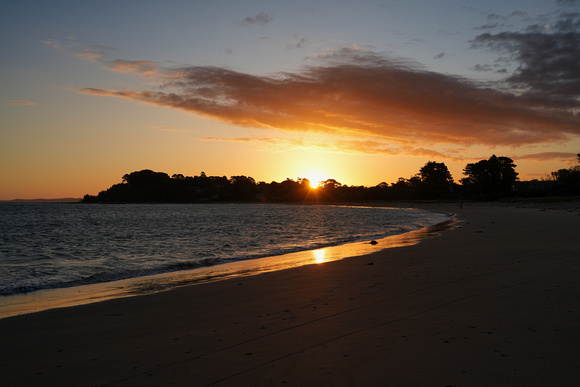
{"x":461,"y":205}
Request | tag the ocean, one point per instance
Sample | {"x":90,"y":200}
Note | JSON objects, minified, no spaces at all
{"x":56,"y":246}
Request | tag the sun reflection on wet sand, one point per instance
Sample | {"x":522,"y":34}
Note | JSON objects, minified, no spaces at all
{"x":319,"y":255}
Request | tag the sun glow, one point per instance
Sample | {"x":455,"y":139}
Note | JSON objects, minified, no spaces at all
{"x":314,"y":184}
{"x":315,"y":177}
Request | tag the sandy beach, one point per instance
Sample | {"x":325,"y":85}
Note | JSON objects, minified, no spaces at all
{"x":493,"y":302}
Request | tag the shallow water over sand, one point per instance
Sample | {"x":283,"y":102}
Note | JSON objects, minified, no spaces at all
{"x":64,"y":297}
{"x":49,"y":248}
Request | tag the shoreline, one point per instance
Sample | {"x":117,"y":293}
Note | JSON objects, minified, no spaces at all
{"x":45,"y":299}
{"x":496,"y":301}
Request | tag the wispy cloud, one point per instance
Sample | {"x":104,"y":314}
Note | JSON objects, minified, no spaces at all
{"x":91,"y":56}
{"x":352,"y":146}
{"x":146,"y":69}
{"x":367,"y":147}
{"x":17,"y":102}
{"x":94,"y":52}
{"x":169,"y":129}
{"x":566,"y":157}
{"x":62,"y":44}
{"x":90,"y":53}
{"x":261,"y":18}
{"x":300,"y":44}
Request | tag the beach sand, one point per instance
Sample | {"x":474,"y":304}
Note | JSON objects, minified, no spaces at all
{"x":494,"y":302}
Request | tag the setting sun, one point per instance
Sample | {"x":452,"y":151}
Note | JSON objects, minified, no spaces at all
{"x":315,"y":177}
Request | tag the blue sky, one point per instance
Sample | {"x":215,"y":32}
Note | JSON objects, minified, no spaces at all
{"x":362,"y":92}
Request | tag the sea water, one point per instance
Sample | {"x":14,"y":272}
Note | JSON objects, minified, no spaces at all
{"x":48,"y":246}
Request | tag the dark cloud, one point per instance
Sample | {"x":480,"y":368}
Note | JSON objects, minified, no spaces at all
{"x":548,"y":58}
{"x":568,"y":22}
{"x":356,"y":92}
{"x":567,"y":2}
{"x":488,"y":26}
{"x":439,"y":56}
{"x":501,"y":21}
{"x":518,"y":14}
{"x":261,"y":18}
{"x":496,"y":68}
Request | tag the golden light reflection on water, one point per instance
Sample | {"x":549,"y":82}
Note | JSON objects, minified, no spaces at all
{"x":319,"y":255}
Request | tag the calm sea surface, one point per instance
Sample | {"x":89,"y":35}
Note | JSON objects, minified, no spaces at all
{"x":44,"y":246}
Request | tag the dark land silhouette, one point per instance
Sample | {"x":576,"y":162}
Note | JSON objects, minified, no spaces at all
{"x":487,"y":180}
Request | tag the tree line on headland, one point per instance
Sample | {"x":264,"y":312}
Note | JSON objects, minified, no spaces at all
{"x":490,"y":179}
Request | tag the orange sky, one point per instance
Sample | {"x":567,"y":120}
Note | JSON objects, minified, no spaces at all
{"x":363,"y":94}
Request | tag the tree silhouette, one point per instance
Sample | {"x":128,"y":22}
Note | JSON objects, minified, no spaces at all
{"x":496,"y":175}
{"x":146,"y":177}
{"x":243,"y":188}
{"x":568,"y":180}
{"x":330,"y":184}
{"x":433,"y":181}
{"x":436,"y":180}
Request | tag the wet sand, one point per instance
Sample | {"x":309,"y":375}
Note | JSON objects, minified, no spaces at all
{"x":493,"y":302}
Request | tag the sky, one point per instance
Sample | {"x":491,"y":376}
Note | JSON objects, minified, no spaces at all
{"x":362,"y":92}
